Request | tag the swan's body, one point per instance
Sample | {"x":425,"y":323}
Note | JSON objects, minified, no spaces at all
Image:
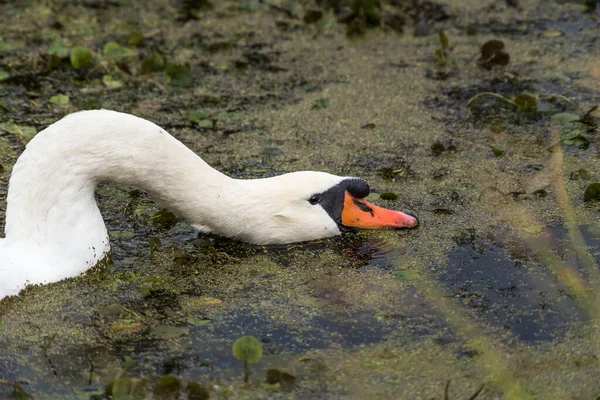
{"x":54,"y":229}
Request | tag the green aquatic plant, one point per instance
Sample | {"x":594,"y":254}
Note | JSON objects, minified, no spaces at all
{"x":125,"y":388}
{"x":442,"y":53}
{"x":80,"y":57}
{"x":60,"y":99}
{"x":179,"y":75}
{"x":249,"y":350}
{"x":492,"y":54}
{"x":167,"y":388}
{"x":196,"y":391}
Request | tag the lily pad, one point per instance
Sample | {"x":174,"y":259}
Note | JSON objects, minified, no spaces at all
{"x":59,"y":48}
{"x":80,"y":57}
{"x":164,"y":219}
{"x":551,"y":32}
{"x":154,"y":243}
{"x":320,"y":104}
{"x":59,"y":99}
{"x":389,"y":196}
{"x":124,"y":326}
{"x":135,"y":39}
{"x":534,"y":229}
{"x":405,"y":275}
{"x":113,"y":50}
{"x":564,"y":118}
{"x":492,"y":53}
{"x":152,"y":62}
{"x":592,"y":192}
{"x":179,"y":75}
{"x":111,"y":82}
{"x":372,"y":196}
{"x":196,"y":391}
{"x":497,"y":151}
{"x":169,"y":332}
{"x":121,"y":235}
{"x":167,"y":387}
{"x":526,"y":102}
{"x":198,"y":321}
{"x":198,"y":115}
{"x":5,"y":46}
{"x":247,"y":348}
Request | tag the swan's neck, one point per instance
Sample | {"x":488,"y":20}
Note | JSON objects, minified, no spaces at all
{"x":51,"y":197}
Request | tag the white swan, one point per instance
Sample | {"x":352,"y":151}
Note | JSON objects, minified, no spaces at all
{"x":54,"y":229}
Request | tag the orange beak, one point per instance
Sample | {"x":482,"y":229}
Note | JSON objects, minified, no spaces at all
{"x":359,"y":213}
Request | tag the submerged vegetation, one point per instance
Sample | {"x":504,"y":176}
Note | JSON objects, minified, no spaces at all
{"x":481,"y":119}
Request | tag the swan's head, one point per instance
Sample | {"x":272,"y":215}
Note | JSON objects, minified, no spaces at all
{"x":311,"y":205}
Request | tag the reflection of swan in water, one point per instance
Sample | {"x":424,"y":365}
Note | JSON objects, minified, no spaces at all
{"x":54,"y":229}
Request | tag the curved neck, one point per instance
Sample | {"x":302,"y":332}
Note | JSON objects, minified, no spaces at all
{"x":51,"y":197}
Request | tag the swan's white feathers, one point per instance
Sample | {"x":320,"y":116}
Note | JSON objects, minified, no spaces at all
{"x":54,"y":229}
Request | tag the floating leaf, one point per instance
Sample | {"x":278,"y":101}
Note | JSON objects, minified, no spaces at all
{"x":389,"y":196}
{"x":5,"y":46}
{"x":492,"y":53}
{"x":26,"y":133}
{"x":444,"y":43}
{"x":126,"y":389}
{"x":592,"y":192}
{"x":179,"y":75}
{"x":114,"y":50}
{"x":490,"y":48}
{"x":121,"y":235}
{"x":372,"y":196}
{"x":80,"y":57}
{"x":526,"y":102}
{"x":152,"y":62}
{"x":135,"y":39}
{"x":59,"y":48}
{"x":198,"y":321}
{"x":4,"y":75}
{"x":564,"y":118}
{"x":534,"y":229}
{"x":205,"y":123}
{"x":497,"y":151}
{"x":196,"y":391}
{"x":405,"y":275}
{"x":271,"y":151}
{"x":111,"y":82}
{"x":167,"y":388}
{"x":198,"y":115}
{"x":127,"y":326}
{"x":164,"y":219}
{"x":320,"y":104}
{"x":581,"y":173}
{"x":59,"y":99}
{"x":498,"y":125}
{"x":169,"y":332}
{"x":275,"y":376}
{"x":247,"y":348}
{"x":154,"y":244}
{"x":551,"y":32}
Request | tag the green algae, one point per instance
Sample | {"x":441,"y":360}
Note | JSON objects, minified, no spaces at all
{"x":302,"y":102}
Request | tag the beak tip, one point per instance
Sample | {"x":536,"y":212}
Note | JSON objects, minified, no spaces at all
{"x":415,"y":223}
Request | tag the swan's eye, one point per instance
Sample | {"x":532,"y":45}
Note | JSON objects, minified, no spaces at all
{"x":314,"y":199}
